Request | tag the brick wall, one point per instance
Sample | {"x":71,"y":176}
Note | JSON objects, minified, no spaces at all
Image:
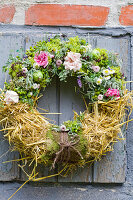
{"x":97,"y":13}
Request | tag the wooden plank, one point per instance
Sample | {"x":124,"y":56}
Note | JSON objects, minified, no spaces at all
{"x":48,"y":102}
{"x":111,"y":169}
{"x":116,"y":45}
{"x":69,"y":102}
{"x":8,"y":44}
{"x":131,"y":85}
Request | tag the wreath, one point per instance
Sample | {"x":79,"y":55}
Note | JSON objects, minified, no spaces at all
{"x":92,"y":133}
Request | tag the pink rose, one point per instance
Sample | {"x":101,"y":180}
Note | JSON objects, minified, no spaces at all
{"x":96,"y":68}
{"x":11,"y":97}
{"x":112,"y":92}
{"x":72,"y":61}
{"x":41,"y":59}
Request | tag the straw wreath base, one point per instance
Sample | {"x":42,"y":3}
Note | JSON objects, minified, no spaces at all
{"x":28,"y":133}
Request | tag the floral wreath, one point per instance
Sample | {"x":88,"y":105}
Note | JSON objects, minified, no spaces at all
{"x":93,"y":132}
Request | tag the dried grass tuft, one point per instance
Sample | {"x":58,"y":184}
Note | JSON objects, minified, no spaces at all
{"x":102,"y":127}
{"x":25,"y":130}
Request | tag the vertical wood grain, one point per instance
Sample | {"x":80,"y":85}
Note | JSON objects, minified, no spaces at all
{"x":9,"y":44}
{"x":61,"y":97}
{"x":72,"y":101}
{"x":112,"y":167}
{"x":48,"y":102}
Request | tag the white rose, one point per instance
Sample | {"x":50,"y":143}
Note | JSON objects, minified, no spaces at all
{"x":11,"y":97}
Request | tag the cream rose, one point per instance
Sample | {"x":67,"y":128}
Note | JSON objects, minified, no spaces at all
{"x":72,"y":61}
{"x":11,"y":97}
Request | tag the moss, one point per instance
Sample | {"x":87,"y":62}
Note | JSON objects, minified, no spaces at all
{"x":82,"y":146}
{"x":52,"y":147}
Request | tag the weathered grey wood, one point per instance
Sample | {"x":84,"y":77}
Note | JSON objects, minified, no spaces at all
{"x":79,"y":175}
{"x":131,"y":63}
{"x":116,"y":45}
{"x":8,"y":45}
{"x":48,"y":102}
{"x":111,"y":169}
{"x":72,"y":101}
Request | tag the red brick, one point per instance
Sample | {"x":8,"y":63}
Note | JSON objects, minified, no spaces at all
{"x":57,"y":14}
{"x":126,"y":17}
{"x":7,"y":14}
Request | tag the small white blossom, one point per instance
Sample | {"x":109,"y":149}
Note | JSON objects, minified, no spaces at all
{"x":96,"y":68}
{"x":107,"y":78}
{"x":63,"y":128}
{"x":36,"y":86}
{"x":106,"y":72}
{"x":112,"y":71}
{"x":100,"y":97}
{"x":25,"y":70}
{"x":99,"y":81}
{"x":35,"y":66}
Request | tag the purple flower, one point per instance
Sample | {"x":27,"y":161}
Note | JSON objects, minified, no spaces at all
{"x":25,"y":56}
{"x":79,"y":82}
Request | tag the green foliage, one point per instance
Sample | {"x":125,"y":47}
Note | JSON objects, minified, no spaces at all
{"x":27,"y":77}
{"x":74,"y":126}
{"x":100,"y":56}
{"x":75,"y":45}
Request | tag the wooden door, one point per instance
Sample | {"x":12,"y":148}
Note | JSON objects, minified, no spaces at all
{"x":61,"y":97}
